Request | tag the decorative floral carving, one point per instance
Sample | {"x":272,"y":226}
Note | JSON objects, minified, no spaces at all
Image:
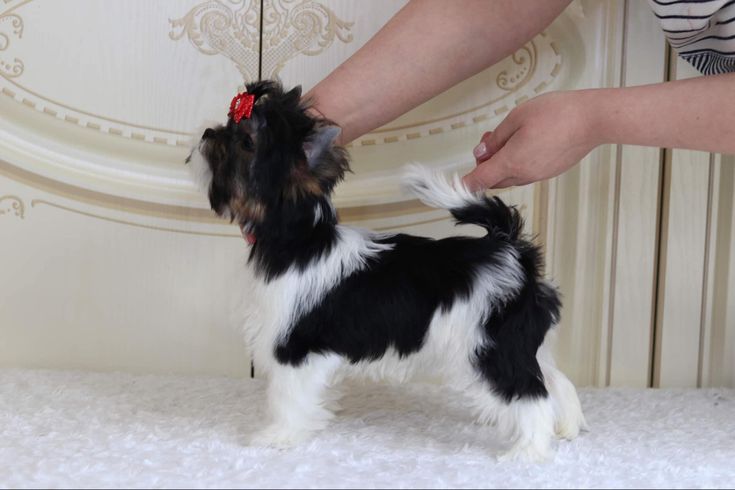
{"x":293,"y":27}
{"x":231,"y":28}
{"x":525,"y":59}
{"x":227,"y":28}
{"x":11,"y":26}
{"x":13,"y":206}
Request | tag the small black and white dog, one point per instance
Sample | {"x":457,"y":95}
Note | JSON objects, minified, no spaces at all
{"x":331,"y":300}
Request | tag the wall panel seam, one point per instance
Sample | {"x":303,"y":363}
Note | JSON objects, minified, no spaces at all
{"x":616,"y":208}
{"x":705,"y":273}
{"x":660,"y":272}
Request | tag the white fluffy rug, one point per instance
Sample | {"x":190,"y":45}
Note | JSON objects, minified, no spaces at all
{"x":70,"y":429}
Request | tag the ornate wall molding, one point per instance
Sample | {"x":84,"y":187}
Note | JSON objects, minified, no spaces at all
{"x":12,"y":206}
{"x":228,"y":28}
{"x":43,"y":202}
{"x":108,"y":204}
{"x":290,"y":27}
{"x":299,"y":27}
{"x":11,"y":27}
{"x":525,"y":61}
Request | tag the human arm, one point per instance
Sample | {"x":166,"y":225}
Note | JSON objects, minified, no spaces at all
{"x":547,"y":135}
{"x":427,"y":47}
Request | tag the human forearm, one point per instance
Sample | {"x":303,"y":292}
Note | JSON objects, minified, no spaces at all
{"x":697,"y":114}
{"x":427,"y":47}
{"x":545,"y":136}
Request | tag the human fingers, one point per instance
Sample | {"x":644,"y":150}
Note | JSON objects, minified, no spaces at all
{"x":492,"y":141}
{"x":487,"y":174}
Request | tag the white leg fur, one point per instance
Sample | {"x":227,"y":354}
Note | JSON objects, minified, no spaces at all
{"x":297,"y":401}
{"x":528,"y":424}
{"x":568,"y":416}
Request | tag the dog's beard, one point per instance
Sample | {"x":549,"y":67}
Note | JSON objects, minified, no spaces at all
{"x":199,"y":169}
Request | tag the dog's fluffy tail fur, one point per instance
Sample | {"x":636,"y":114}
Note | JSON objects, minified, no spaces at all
{"x":436,"y":190}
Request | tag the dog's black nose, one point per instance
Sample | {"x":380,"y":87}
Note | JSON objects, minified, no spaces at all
{"x":208,"y":133}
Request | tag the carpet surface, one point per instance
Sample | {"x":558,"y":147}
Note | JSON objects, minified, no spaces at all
{"x":73,"y":429}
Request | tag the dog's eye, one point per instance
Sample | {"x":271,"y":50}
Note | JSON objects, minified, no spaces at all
{"x":247,"y":143}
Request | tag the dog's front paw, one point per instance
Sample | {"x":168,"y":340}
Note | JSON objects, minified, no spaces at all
{"x":279,"y":437}
{"x":570,"y":428}
{"x":528,"y":453}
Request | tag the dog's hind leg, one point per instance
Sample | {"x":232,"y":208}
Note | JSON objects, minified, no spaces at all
{"x":507,"y":363}
{"x":526,"y":421}
{"x":297,"y":401}
{"x":568,"y":416}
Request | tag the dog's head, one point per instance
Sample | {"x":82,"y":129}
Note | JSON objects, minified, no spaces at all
{"x":277,"y":159}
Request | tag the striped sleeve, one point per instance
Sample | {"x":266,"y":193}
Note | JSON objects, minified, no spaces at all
{"x":701,"y":31}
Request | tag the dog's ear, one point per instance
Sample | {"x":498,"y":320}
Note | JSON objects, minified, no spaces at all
{"x":326,"y":162}
{"x":323,"y":166}
{"x":319,"y":143}
{"x":294,"y":93}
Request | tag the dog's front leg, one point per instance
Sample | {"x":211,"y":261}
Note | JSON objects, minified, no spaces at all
{"x":297,"y":401}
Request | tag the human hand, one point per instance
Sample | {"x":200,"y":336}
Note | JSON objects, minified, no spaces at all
{"x":538,"y":140}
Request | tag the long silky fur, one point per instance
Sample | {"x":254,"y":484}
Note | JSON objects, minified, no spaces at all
{"x":331,"y":301}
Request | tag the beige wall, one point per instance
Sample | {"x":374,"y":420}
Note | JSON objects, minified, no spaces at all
{"x":111,"y":260}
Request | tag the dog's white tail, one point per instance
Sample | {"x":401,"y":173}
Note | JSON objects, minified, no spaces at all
{"x":435,"y":190}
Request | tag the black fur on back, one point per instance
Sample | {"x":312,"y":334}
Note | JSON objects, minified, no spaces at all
{"x":390,"y":303}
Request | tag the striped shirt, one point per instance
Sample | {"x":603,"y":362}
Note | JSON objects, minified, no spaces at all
{"x":702,"y":32}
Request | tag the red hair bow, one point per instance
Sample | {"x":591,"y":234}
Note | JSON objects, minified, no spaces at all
{"x":242,"y":106}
